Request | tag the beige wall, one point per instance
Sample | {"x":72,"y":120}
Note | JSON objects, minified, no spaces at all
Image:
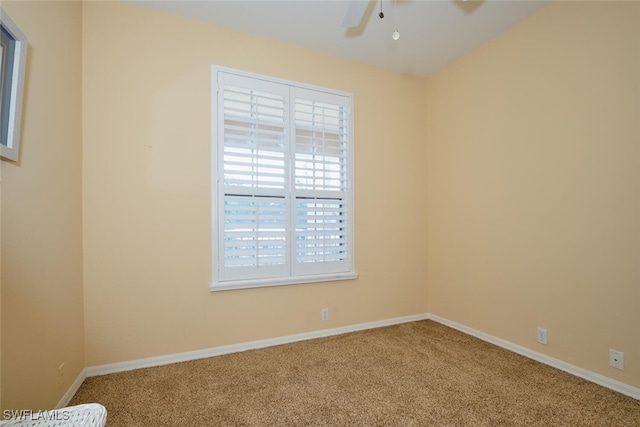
{"x":530,"y":216}
{"x":42,"y":318}
{"x":146,"y":189}
{"x":533,"y":185}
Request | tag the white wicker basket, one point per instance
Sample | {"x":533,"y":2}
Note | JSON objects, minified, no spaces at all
{"x":89,"y":415}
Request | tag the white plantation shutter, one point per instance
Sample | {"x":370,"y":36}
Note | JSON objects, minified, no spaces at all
{"x":283,"y":182}
{"x":321,"y":181}
{"x":254,"y":190}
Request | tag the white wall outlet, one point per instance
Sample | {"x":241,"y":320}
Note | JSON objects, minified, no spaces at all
{"x":324,"y":314}
{"x":542,"y":336}
{"x":616,"y":359}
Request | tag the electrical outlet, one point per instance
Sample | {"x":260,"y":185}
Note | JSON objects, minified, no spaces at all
{"x":542,"y":336}
{"x":616,"y":359}
{"x":324,"y":314}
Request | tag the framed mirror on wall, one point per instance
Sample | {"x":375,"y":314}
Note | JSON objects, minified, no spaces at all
{"x":13,"y":59}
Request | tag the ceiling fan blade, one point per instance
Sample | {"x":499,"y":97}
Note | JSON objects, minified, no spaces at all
{"x":355,"y":13}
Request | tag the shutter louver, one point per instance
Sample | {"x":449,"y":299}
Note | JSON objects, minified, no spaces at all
{"x":254,"y":231}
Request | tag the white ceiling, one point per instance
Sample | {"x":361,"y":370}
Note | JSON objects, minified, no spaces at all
{"x":433,"y":33}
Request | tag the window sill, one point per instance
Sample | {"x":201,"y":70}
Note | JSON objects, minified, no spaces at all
{"x":297,"y":280}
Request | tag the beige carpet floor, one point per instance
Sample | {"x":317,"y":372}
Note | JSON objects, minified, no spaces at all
{"x":414,"y":374}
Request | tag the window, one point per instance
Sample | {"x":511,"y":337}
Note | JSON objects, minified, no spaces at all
{"x":282,"y":182}
{"x":13,"y":54}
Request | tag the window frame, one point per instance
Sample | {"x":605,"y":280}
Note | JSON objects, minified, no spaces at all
{"x":14,"y":59}
{"x":217,"y":117}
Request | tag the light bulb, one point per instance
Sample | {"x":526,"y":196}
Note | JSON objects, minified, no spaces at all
{"x":395,"y":35}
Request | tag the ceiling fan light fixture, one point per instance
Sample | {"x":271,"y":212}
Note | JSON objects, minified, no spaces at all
{"x":396,"y":34}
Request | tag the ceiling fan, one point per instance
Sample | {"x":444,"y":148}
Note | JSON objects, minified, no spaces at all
{"x":355,"y":13}
{"x":357,"y":9}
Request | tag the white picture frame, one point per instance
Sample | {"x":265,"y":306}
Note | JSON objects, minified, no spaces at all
{"x":13,"y":53}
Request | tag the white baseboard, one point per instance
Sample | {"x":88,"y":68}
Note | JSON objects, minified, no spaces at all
{"x":543,"y":358}
{"x":235,"y":348}
{"x":72,"y":390}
